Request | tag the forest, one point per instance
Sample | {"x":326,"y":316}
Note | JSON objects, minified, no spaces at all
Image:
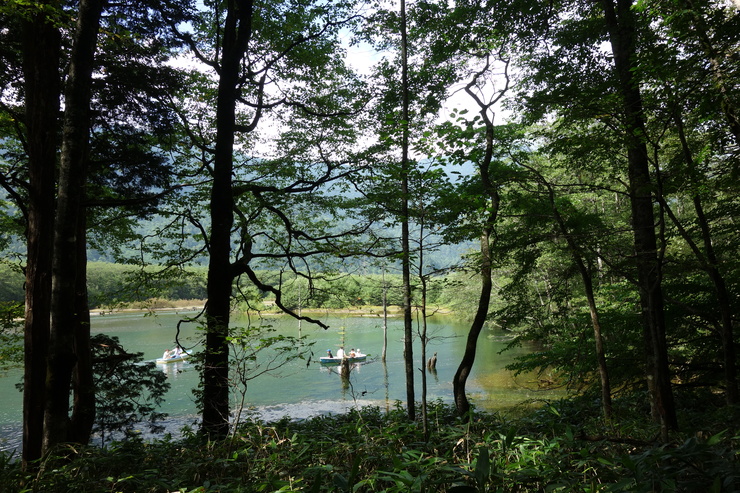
{"x":583,"y":157}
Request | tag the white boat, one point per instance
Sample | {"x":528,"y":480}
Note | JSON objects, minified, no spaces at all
{"x":336,"y":360}
{"x":173,"y":359}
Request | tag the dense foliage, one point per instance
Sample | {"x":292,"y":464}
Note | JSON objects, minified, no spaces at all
{"x":11,"y":335}
{"x":557,"y":448}
{"x":128,"y":391}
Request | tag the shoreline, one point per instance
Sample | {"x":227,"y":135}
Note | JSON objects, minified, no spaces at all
{"x":199,"y":305}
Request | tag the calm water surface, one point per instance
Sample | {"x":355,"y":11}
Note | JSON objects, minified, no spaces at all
{"x":301,"y":390}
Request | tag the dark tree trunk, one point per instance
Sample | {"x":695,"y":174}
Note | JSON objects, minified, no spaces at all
{"x":83,"y":385}
{"x":606,"y":388}
{"x":385,"y":320}
{"x":236,"y":35}
{"x":486,"y":267}
{"x":41,"y":52}
{"x":620,"y":24}
{"x":408,"y":329}
{"x":424,"y":337}
{"x":725,"y":308}
{"x":471,"y":345}
{"x":490,"y":191}
{"x":64,"y":309}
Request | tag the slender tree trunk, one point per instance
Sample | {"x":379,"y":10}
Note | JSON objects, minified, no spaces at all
{"x":424,"y":340}
{"x":606,"y":388}
{"x":620,"y":24}
{"x":83,"y":384}
{"x":423,"y":335}
{"x":606,"y":393}
{"x":711,"y":265}
{"x":408,"y":329}
{"x":236,"y":35}
{"x":490,"y":216}
{"x":486,"y":264}
{"x":385,"y":319}
{"x":486,"y":273}
{"x":471,"y":345}
{"x":725,"y":309}
{"x":65,"y":319}
{"x":722,"y":82}
{"x":41,"y":52}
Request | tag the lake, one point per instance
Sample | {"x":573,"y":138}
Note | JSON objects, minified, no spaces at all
{"x":301,"y":390}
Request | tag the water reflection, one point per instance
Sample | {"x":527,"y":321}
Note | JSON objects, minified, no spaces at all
{"x":337,"y":369}
{"x":173,"y":370}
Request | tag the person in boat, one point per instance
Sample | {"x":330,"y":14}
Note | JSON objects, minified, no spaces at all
{"x":328,"y":351}
{"x":177,"y":352}
{"x":340,"y":353}
{"x":166,"y":354}
{"x":352,"y":353}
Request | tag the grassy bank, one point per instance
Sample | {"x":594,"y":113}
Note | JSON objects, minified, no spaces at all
{"x":561,"y":447}
{"x":154,"y":304}
{"x":162,"y":304}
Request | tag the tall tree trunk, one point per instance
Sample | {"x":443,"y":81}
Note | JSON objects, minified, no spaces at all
{"x":725,"y":307}
{"x":424,"y":340}
{"x":236,"y":35}
{"x":41,"y":52}
{"x":385,"y":319}
{"x":83,"y":384}
{"x":460,"y":379}
{"x":606,"y":392}
{"x":65,"y":318}
{"x":620,"y":24}
{"x":606,"y":388}
{"x":486,"y":266}
{"x":422,"y":316}
{"x":575,"y":251}
{"x":408,"y":329}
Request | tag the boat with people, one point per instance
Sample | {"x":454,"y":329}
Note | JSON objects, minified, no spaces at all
{"x":173,"y":356}
{"x":353,"y":356}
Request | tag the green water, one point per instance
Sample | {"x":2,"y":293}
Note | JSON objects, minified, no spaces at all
{"x":300,"y":389}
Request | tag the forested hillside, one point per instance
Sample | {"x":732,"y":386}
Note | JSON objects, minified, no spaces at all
{"x":114,"y":286}
{"x":585,"y":154}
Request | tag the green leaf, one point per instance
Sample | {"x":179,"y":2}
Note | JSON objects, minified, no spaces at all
{"x":482,"y":467}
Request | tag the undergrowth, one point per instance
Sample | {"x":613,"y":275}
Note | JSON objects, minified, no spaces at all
{"x":560,"y":447}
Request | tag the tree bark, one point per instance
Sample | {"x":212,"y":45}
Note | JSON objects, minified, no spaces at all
{"x":385,"y":320}
{"x":236,"y":35}
{"x":83,"y":384}
{"x":486,"y":267}
{"x":620,"y":25}
{"x":65,"y":317}
{"x":408,"y":329}
{"x":460,"y":379}
{"x":493,"y":203}
{"x":423,"y":336}
{"x":41,"y":53}
{"x":606,"y":391}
